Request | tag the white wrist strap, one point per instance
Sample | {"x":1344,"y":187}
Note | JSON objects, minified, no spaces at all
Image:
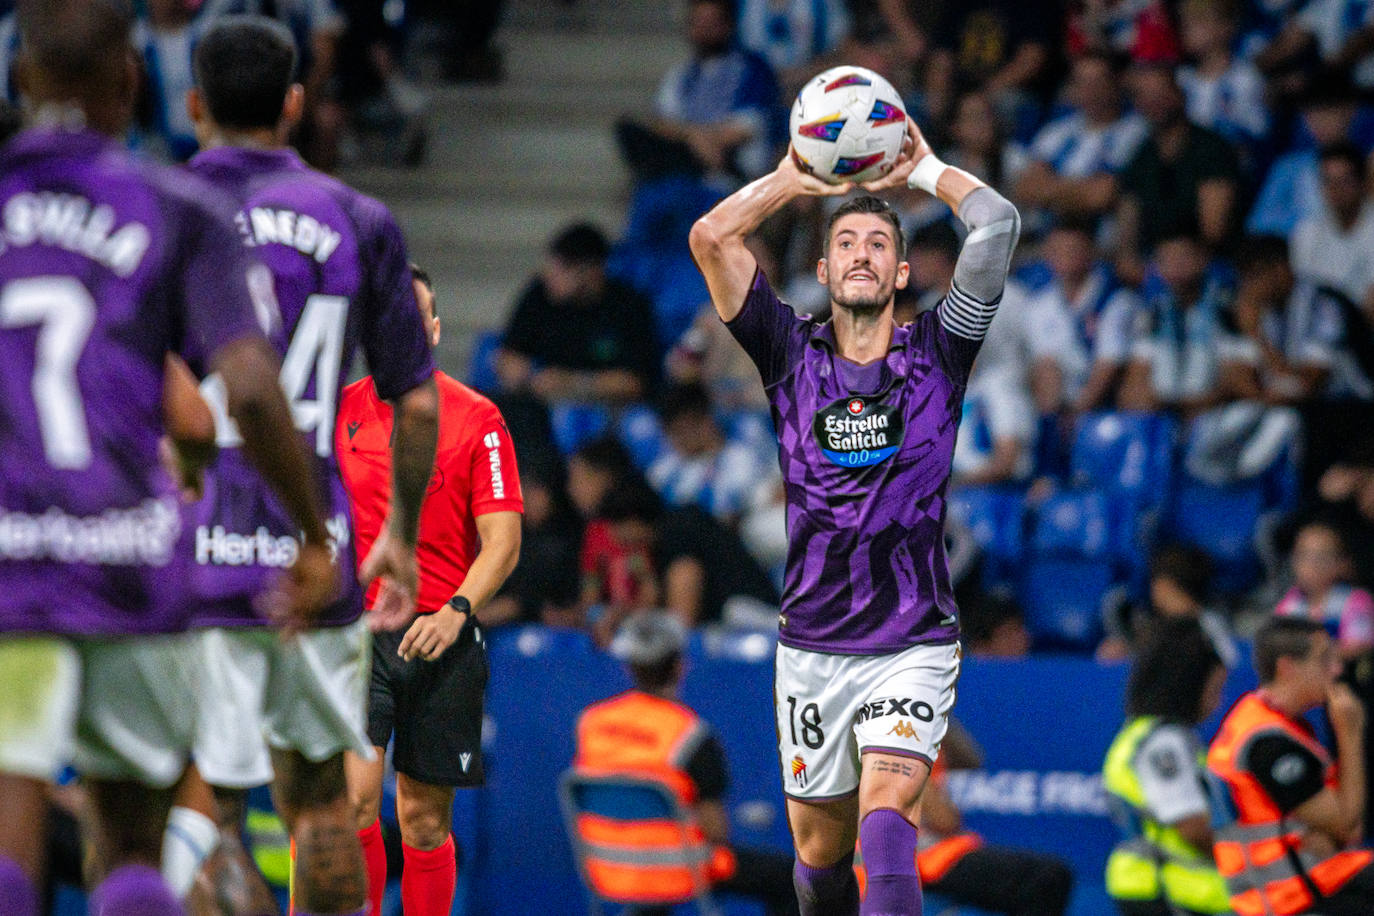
{"x":926,"y":174}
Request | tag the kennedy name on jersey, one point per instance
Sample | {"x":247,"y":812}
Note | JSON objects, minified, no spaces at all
{"x":309,"y":236}
{"x":69,"y":221}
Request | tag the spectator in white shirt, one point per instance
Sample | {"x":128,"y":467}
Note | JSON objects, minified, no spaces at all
{"x":1078,"y":326}
{"x":996,"y":441}
{"x":1074,"y":157}
{"x":792,"y":34}
{"x":1335,"y":245}
{"x":1224,"y":93}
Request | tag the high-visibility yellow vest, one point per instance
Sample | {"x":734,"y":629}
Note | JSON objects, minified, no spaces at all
{"x":1154,"y":861}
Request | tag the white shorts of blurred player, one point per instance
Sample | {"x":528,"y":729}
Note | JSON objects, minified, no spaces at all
{"x":833,"y":708}
{"x":254,"y":689}
{"x":118,"y":709}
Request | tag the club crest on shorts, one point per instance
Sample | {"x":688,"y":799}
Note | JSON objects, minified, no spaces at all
{"x":858,"y":432}
{"x":799,"y":770}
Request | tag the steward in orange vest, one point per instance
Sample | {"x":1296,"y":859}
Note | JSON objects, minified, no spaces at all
{"x":1297,"y":813}
{"x":647,"y":732}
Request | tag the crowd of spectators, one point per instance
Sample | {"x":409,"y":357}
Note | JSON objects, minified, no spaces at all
{"x":1194,"y":289}
{"x":358,"y":59}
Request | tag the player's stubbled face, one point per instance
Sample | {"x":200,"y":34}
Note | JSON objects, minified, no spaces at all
{"x":862,"y":268}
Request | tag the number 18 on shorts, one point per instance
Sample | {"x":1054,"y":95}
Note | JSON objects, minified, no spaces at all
{"x":832,"y":708}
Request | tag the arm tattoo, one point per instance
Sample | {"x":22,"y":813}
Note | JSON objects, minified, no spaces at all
{"x":896,"y":768}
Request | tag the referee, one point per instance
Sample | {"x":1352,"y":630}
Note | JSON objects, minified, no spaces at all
{"x":428,"y":680}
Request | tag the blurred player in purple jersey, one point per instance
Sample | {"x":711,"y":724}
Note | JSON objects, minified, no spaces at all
{"x":340,"y":276}
{"x":108,"y":266}
{"x":866,"y":413}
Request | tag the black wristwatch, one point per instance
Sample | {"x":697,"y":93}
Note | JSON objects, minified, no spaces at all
{"x":460,"y":604}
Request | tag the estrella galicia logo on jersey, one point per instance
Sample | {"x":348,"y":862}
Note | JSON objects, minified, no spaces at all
{"x":858,"y":432}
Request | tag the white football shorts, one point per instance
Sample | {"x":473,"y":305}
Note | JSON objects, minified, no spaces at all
{"x":833,"y":708}
{"x":255,"y":690}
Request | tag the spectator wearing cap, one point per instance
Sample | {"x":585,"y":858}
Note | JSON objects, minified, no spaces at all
{"x":648,"y":732}
{"x":576,"y":334}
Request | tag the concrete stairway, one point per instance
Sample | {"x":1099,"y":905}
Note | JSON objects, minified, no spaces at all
{"x":509,"y":164}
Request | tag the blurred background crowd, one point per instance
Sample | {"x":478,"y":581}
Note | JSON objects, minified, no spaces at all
{"x":1171,"y":415}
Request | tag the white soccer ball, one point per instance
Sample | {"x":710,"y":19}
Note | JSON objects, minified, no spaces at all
{"x":847,"y":125}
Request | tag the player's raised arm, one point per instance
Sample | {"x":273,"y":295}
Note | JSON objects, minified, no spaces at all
{"x":717,"y":239}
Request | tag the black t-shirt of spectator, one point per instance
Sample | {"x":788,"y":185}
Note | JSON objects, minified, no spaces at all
{"x":708,"y":770}
{"x":1167,"y":191}
{"x":729,"y":568}
{"x":983,"y":35}
{"x":614,"y":332}
{"x":1287,"y":770}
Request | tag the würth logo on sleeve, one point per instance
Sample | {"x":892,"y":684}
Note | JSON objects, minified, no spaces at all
{"x":492,"y":441}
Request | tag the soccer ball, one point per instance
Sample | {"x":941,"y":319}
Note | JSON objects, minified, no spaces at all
{"x":847,"y":125}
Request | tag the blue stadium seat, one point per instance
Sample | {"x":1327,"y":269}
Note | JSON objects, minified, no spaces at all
{"x":1222,"y":521}
{"x":641,"y":433}
{"x":994,"y":515}
{"x":482,"y":366}
{"x":1070,"y":569}
{"x":574,"y":425}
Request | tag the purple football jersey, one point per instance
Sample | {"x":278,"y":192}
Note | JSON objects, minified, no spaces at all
{"x":342,"y":280}
{"x":106,"y":264}
{"x":865,"y":454}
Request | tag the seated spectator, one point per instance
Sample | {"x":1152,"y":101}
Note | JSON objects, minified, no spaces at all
{"x":1332,"y":245}
{"x":544,"y":583}
{"x":1324,"y":590}
{"x":709,"y":356}
{"x":979,"y":146}
{"x":996,"y":439}
{"x":1143,"y":30}
{"x":1185,"y":354}
{"x":1078,"y":326}
{"x":617,"y":565}
{"x":1292,"y":189}
{"x":698,"y":565}
{"x":1182,"y":177}
{"x":1299,"y":332}
{"x":1074,"y":157}
{"x":1224,"y":93}
{"x":1180,"y":587}
{"x":1001,"y":46}
{"x":648,"y":732}
{"x":791,"y":34}
{"x":576,"y":334}
{"x":932,"y":254}
{"x":700,"y":466}
{"x":718,"y":112}
{"x":993,"y":626}
{"x":594,"y":470}
{"x":1335,"y":35}
{"x":165,"y":37}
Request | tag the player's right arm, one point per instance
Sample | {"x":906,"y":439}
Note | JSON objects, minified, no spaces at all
{"x":717,"y":239}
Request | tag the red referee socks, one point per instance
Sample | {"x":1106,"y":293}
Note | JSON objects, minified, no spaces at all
{"x":374,"y":855}
{"x":428,"y":880}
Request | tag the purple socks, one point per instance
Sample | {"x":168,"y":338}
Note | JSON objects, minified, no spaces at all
{"x":829,"y":891}
{"x":134,"y":890}
{"x":888,"y":841}
{"x":17,"y":893}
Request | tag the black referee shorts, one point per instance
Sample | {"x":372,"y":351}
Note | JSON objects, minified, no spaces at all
{"x":434,"y":709}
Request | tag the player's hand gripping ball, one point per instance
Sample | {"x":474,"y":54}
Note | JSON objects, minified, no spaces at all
{"x":847,"y":125}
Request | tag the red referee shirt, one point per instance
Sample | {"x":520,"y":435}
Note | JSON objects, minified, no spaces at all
{"x":474,"y":473}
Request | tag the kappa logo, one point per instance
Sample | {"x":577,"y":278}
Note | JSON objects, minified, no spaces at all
{"x":903,"y":729}
{"x":353,"y":429}
{"x":799,"y":770}
{"x":464,"y":759}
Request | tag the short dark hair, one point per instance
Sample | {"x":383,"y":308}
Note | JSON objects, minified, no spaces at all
{"x":939,"y":236}
{"x":244,"y":66}
{"x":75,"y":43}
{"x":1256,"y":252}
{"x":1345,"y":151}
{"x":633,"y":500}
{"x":1188,"y":567}
{"x":867,"y":204}
{"x":420,"y":275}
{"x":1282,"y":637}
{"x":682,"y":399}
{"x":1079,"y":224}
{"x":659,"y":674}
{"x":581,"y":243}
{"x":607,"y":454}
{"x":1171,"y":670}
